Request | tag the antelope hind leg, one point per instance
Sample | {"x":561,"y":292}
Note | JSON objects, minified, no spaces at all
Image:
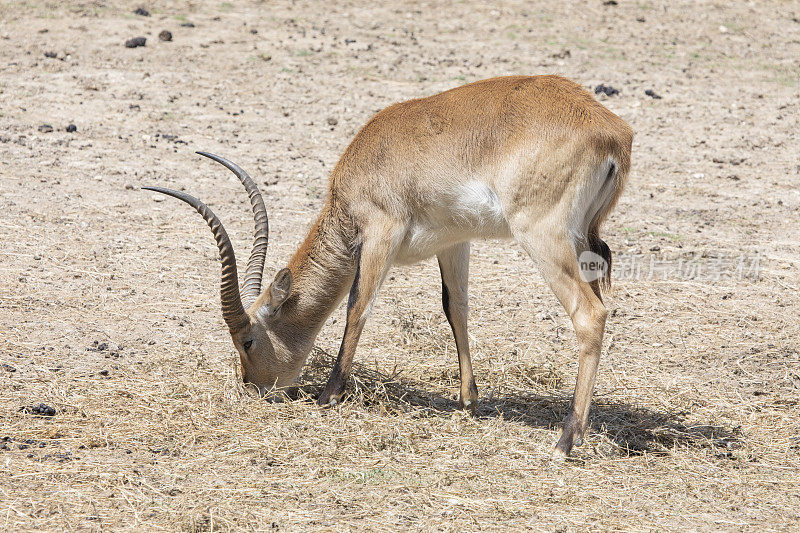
{"x":454,"y":267}
{"x":555,"y":256}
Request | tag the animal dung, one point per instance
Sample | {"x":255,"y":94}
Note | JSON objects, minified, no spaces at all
{"x":608,"y":90}
{"x":135,"y":42}
{"x":39,"y":410}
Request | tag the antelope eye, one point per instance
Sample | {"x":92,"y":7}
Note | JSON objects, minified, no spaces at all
{"x":247,"y":345}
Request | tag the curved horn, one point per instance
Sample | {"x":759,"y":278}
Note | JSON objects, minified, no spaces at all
{"x":251,"y":287}
{"x":232,"y":309}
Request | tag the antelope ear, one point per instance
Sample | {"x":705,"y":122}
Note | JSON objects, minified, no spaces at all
{"x":279,"y":291}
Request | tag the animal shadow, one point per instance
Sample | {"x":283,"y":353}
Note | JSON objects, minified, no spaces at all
{"x":633,"y":430}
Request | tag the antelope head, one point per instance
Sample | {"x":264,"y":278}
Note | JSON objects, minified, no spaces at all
{"x":254,"y":320}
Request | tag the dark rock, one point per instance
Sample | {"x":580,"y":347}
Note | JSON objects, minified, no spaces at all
{"x":608,"y":90}
{"x":45,"y":128}
{"x":652,"y":94}
{"x":165,"y":36}
{"x":187,"y":24}
{"x":135,"y":42}
{"x":51,"y":55}
{"x":8,"y":368}
{"x":72,"y":128}
{"x":141,"y":12}
{"x":610,"y":3}
{"x":332,"y":121}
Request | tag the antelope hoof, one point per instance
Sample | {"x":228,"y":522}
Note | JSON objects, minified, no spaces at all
{"x":468,"y":405}
{"x":327,"y":399}
{"x":572,"y":435}
{"x":558,"y":455}
{"x":469,"y":401}
{"x":563,"y":447}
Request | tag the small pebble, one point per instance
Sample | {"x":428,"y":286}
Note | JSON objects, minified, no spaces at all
{"x":332,"y":121}
{"x":187,"y":24}
{"x":8,"y":368}
{"x":141,"y":12}
{"x":652,"y":94}
{"x":45,"y":128}
{"x":51,"y":55}
{"x":135,"y":42}
{"x":165,"y":36}
{"x":72,"y":128}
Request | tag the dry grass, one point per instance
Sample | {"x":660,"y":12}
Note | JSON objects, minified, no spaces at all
{"x":695,"y":424}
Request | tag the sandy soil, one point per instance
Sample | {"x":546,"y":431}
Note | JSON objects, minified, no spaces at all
{"x":109,"y":305}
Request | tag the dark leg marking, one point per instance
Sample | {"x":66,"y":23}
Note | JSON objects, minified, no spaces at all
{"x":337,"y":380}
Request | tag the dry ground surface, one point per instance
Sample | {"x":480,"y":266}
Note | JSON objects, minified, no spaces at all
{"x":109,"y":295}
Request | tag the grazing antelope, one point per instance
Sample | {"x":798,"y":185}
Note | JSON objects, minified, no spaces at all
{"x":535,"y":159}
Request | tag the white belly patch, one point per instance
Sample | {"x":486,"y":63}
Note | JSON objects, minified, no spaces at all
{"x":472,"y":211}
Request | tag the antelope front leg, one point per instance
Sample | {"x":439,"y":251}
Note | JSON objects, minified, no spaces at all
{"x":374,"y":259}
{"x":454,"y":267}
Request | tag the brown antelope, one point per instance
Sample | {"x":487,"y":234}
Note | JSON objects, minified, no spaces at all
{"x":535,"y":159}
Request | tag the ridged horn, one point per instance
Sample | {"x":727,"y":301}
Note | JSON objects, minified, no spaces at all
{"x":232,"y":309}
{"x":251,"y":287}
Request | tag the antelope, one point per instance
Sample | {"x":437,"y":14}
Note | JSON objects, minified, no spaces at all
{"x":535,"y":159}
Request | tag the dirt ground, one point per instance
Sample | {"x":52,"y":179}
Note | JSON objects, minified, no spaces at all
{"x":109,"y":303}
